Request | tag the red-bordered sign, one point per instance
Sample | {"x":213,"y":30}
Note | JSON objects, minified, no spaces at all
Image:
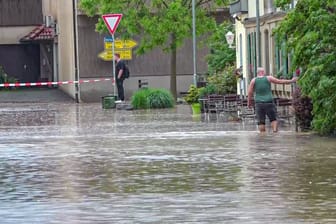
{"x":112,"y":21}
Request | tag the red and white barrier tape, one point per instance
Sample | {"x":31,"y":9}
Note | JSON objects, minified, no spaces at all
{"x":54,"y":83}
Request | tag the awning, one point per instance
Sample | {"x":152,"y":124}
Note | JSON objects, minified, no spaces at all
{"x":39,"y":33}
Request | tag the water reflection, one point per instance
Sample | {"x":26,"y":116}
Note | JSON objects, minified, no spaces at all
{"x":88,"y":165}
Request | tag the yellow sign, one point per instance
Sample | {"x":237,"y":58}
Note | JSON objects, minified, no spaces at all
{"x":108,"y":45}
{"x":121,"y":44}
{"x":125,"y":54}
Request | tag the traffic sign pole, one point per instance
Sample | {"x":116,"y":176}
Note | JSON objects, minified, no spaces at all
{"x":114,"y":67}
{"x":112,"y":21}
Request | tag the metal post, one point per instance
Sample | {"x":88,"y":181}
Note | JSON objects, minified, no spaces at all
{"x":75,"y":24}
{"x":114,"y":65}
{"x":258,"y":34}
{"x":194,"y":40}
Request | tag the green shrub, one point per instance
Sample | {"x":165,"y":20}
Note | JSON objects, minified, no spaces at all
{"x":160,"y":98}
{"x":139,"y":99}
{"x":193,"y":95}
{"x":149,"y":98}
{"x":225,"y":82}
{"x":207,"y":90}
{"x":4,"y":78}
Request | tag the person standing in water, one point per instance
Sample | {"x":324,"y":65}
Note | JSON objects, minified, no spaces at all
{"x":260,"y":87}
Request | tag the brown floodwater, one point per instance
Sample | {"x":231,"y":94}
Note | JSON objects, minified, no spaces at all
{"x":69,"y":163}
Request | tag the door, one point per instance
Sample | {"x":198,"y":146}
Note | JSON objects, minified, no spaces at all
{"x":21,"y":61}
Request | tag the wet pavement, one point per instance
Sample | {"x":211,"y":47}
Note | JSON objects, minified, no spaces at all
{"x":34,"y":95}
{"x":70,"y":163}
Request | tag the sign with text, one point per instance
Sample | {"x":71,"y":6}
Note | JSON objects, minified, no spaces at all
{"x":120,"y":44}
{"x":107,"y":55}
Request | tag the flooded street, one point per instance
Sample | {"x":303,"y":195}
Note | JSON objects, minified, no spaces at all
{"x":69,"y":163}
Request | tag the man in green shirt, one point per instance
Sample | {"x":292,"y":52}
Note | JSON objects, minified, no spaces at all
{"x":264,"y":105}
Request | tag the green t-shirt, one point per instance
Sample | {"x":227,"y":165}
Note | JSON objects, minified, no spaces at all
{"x":263,"y":91}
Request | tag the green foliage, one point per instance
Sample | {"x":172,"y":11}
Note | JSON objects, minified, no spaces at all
{"x":160,"y":98}
{"x":4,"y":78}
{"x":310,"y":30}
{"x":148,"y":98}
{"x":283,"y":4}
{"x":221,"y":55}
{"x":224,"y":82}
{"x":160,"y":23}
{"x":207,"y":90}
{"x":155,"y":20}
{"x":193,"y":95}
{"x":139,"y":99}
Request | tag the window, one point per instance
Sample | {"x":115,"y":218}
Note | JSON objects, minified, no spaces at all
{"x":268,"y":6}
{"x":251,"y":55}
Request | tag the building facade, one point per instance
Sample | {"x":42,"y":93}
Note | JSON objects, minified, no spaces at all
{"x":62,"y":45}
{"x":266,"y":52}
{"x":26,"y":43}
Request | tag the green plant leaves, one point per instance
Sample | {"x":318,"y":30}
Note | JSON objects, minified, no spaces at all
{"x":310,"y":31}
{"x":148,"y":98}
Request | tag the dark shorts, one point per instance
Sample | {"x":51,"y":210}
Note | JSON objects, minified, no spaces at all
{"x":263,"y":109}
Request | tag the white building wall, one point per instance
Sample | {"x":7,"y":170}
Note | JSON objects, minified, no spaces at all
{"x":241,"y":55}
{"x":269,"y":18}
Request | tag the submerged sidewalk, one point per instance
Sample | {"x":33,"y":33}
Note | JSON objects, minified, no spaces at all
{"x":42,"y":95}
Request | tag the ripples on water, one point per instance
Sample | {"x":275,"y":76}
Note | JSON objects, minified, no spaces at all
{"x":81,"y":164}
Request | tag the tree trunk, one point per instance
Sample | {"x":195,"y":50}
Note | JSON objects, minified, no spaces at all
{"x":173,"y":56}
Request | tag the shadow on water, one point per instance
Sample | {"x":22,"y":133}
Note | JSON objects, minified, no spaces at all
{"x":68,"y":163}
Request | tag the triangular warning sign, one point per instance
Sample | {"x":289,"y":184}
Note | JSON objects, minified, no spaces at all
{"x":112,"y":21}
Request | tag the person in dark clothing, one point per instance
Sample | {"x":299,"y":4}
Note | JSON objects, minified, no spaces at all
{"x":119,"y":72}
{"x":260,"y":86}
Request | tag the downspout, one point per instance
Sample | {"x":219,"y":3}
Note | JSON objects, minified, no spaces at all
{"x":75,"y":26}
{"x":258,"y":35}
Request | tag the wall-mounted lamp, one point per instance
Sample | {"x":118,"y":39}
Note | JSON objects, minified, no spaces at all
{"x":235,"y":16}
{"x":229,"y":39}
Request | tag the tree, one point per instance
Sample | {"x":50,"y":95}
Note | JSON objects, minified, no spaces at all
{"x":310,"y":32}
{"x":221,"y":55}
{"x":160,"y":23}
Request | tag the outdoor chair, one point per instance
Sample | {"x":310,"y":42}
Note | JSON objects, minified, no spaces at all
{"x":215,"y":104}
{"x":246,"y":113}
{"x":230,"y":106}
{"x":283,"y":106}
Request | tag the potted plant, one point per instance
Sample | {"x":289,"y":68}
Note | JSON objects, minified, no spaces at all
{"x":192,"y":98}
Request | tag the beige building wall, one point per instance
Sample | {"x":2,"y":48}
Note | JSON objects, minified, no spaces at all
{"x":12,"y":35}
{"x":50,"y":7}
{"x":66,"y":47}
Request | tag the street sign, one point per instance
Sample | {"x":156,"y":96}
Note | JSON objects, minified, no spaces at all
{"x":108,"y":41}
{"x":108,"y":45}
{"x":112,"y":21}
{"x":120,"y":44}
{"x":107,"y":55}
{"x":125,"y":44}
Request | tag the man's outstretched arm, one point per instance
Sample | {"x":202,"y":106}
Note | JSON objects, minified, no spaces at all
{"x":281,"y":81}
{"x":250,"y":93}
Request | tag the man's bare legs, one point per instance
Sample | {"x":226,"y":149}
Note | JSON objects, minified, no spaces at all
{"x":262,"y":128}
{"x":274,"y":125}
